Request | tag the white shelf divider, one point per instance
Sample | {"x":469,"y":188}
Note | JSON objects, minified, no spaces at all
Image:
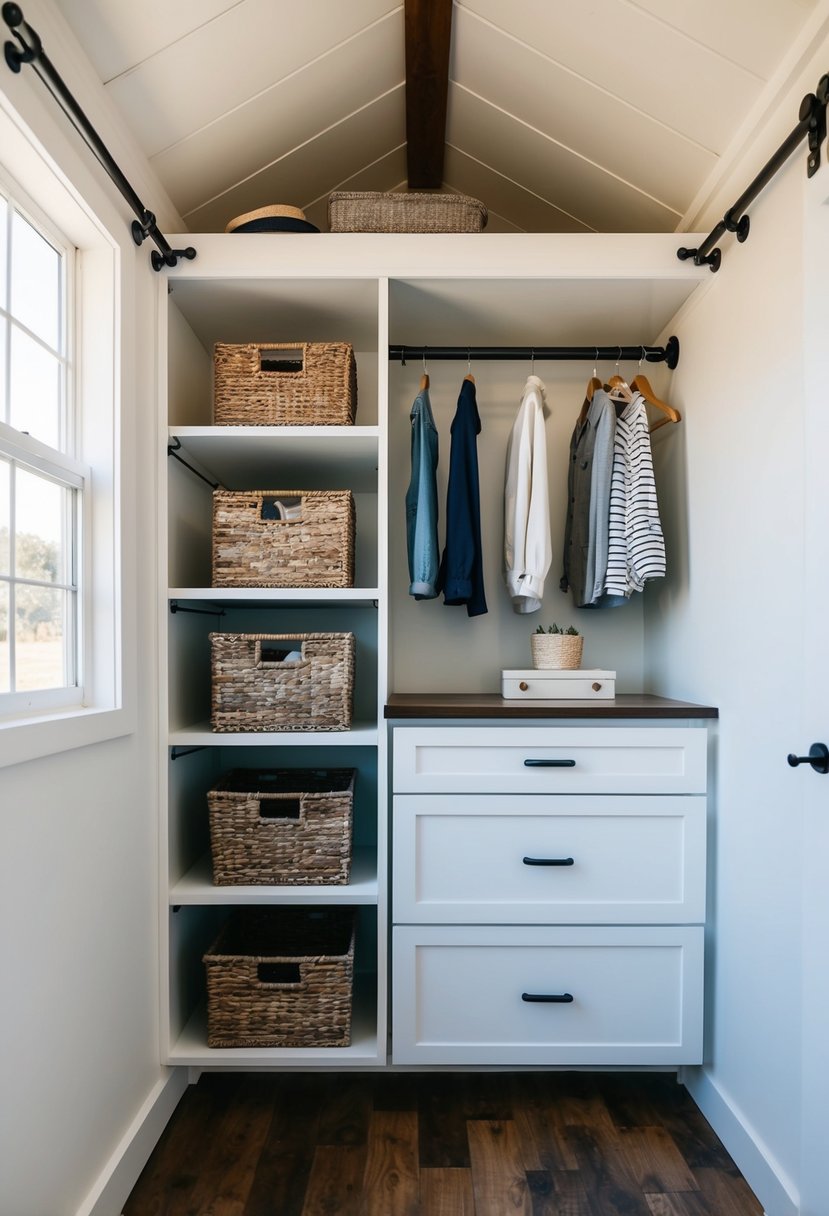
{"x":196,"y":887}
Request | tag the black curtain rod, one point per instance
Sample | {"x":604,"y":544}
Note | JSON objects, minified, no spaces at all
{"x":669,"y":353}
{"x":32,"y":52}
{"x":811,"y":124}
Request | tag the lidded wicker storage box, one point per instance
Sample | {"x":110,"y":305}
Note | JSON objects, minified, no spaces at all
{"x":370,"y":211}
{"x":254,"y":386}
{"x":281,"y":977}
{"x":282,"y":826}
{"x":254,"y":545}
{"x":255,"y":688}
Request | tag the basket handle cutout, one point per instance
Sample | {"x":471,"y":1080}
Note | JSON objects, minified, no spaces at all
{"x":273,"y":656}
{"x":288,"y":508}
{"x":279,"y":808}
{"x":286,"y":975}
{"x":288,"y":361}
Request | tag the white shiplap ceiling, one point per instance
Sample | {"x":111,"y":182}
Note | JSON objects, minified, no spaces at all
{"x":564,"y":115}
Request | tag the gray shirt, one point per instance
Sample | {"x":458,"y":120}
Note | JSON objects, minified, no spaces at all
{"x":588,"y":505}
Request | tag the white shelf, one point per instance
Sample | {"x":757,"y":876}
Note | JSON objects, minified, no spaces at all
{"x":304,"y":457}
{"x":196,"y":887}
{"x":296,"y":597}
{"x":191,"y":1046}
{"x":363,"y":734}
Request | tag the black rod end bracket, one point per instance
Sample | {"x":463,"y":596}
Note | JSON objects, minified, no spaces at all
{"x":672,"y":352}
{"x":160,"y":260}
{"x":17,"y":56}
{"x":713,"y":259}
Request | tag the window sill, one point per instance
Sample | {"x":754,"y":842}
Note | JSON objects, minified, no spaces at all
{"x":53,"y":731}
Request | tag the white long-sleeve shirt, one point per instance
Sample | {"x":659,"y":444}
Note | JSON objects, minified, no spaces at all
{"x":527,"y":544}
{"x":636,"y":548}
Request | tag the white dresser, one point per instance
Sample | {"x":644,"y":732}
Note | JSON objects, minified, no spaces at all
{"x":548,"y":885}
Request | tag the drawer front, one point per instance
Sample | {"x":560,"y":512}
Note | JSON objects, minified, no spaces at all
{"x":517,"y":859}
{"x":625,"y":995}
{"x":532,"y":688}
{"x":550,"y":759}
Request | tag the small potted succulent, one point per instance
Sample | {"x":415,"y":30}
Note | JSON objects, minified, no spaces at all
{"x":555,"y":647}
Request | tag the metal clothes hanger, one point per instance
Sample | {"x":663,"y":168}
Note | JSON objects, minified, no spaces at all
{"x":594,"y":381}
{"x":641,"y":384}
{"x":424,"y":379}
{"x":618,"y":387}
{"x":469,"y":375}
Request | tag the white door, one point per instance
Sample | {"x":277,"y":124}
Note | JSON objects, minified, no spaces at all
{"x":812,"y":787}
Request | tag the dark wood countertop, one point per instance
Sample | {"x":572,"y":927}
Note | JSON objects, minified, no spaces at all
{"x":491,"y":705}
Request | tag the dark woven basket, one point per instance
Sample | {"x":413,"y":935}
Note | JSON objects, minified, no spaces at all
{"x":253,"y":689}
{"x":282,"y":826}
{"x":252,"y":386}
{"x":281,"y":977}
{"x":254,"y":547}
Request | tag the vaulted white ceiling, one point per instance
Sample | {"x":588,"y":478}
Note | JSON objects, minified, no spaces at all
{"x":564,"y":115}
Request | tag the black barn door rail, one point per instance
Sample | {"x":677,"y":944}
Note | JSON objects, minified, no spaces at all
{"x":31,"y":51}
{"x":811,"y":124}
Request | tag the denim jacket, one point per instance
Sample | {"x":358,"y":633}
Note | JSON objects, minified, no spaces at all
{"x":422,"y":502}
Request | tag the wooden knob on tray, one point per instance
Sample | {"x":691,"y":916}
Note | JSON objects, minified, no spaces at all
{"x":595,"y":685}
{"x":523,"y":685}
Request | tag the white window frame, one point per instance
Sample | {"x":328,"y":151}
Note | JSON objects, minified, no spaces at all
{"x":57,"y":464}
{"x":104,"y":705}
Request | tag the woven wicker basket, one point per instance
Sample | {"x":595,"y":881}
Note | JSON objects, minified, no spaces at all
{"x":366,"y":211}
{"x":282,"y":826}
{"x":254,"y":547}
{"x":556,"y":650}
{"x":255,"y":689}
{"x":318,"y":388}
{"x":281,"y":977}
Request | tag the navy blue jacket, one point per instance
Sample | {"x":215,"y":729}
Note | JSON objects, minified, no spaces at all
{"x":461,"y":574}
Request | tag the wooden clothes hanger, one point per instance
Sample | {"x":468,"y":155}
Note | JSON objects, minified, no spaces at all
{"x":641,"y":384}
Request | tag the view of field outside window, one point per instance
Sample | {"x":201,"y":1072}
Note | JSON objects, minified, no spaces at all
{"x":38,"y":508}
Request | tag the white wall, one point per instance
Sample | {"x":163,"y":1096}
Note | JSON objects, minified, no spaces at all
{"x":78,"y":889}
{"x":726,"y":629}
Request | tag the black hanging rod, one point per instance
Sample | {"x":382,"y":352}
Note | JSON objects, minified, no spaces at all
{"x":31,"y":51}
{"x":811,"y":124}
{"x":669,"y":353}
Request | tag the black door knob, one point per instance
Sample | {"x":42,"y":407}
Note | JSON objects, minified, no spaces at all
{"x":818,"y":757}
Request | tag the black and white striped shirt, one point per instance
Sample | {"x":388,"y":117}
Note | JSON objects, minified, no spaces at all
{"x":636,"y":547}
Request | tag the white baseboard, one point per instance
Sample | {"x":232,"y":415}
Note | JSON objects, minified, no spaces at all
{"x":121,"y":1172}
{"x":755,"y":1161}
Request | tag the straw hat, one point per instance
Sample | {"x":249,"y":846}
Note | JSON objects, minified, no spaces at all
{"x":277,"y":218}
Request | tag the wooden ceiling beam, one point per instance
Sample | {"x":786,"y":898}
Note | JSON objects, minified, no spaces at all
{"x":428,"y":35}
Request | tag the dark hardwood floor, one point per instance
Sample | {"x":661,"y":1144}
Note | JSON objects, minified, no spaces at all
{"x":439,"y":1144}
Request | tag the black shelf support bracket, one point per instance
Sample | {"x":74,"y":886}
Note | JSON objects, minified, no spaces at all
{"x":175,"y":607}
{"x":811,"y":126}
{"x":29,"y":49}
{"x":177,"y":752}
{"x":173,"y":450}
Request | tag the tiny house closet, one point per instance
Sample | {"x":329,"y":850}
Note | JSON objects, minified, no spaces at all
{"x":621,"y":295}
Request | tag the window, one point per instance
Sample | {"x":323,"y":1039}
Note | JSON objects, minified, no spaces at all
{"x":41,"y":484}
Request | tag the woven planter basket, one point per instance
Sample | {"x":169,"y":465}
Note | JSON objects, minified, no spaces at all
{"x":281,"y":977}
{"x":251,"y":389}
{"x":367,"y":211}
{"x":255,"y":689}
{"x":556,"y":650}
{"x":282,"y":826}
{"x":254,"y":547}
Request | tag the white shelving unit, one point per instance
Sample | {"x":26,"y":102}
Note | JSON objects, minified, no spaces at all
{"x":368,"y":290}
{"x":198,"y":313}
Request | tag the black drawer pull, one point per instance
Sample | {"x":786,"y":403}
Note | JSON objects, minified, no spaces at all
{"x":547,"y":998}
{"x":549,"y":861}
{"x":549,"y":764}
